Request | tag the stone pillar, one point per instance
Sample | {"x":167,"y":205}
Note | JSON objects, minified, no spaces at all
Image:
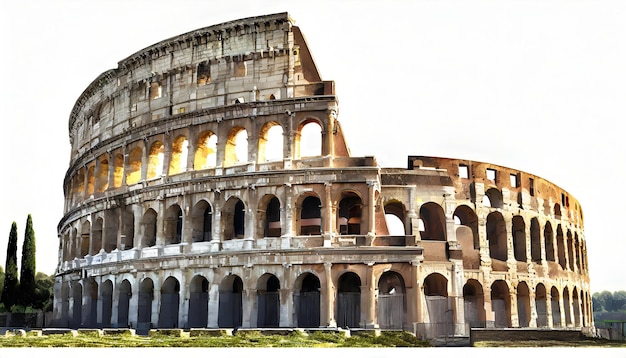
{"x":286,"y":307}
{"x":133,"y":304}
{"x":216,"y":227}
{"x":328,"y":214}
{"x":115,"y":301}
{"x":287,"y":218}
{"x":139,"y":226}
{"x":156,"y":302}
{"x":214,"y":294}
{"x":167,"y":155}
{"x":533,"y":309}
{"x":562,"y":309}
{"x":160,"y":223}
{"x":183,"y":303}
{"x":514,"y":309}
{"x":249,"y":300}
{"x":371,"y":292}
{"x":329,"y":297}
{"x":145,"y":159}
{"x":549,"y":318}
{"x":490,"y":318}
{"x":371,"y":206}
{"x":413,"y":297}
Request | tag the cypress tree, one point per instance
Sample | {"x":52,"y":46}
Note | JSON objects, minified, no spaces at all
{"x":27,"y":269}
{"x":11,"y":285}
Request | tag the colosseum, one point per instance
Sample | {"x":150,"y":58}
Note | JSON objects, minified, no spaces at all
{"x":210,"y":186}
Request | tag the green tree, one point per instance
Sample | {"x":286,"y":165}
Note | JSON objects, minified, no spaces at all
{"x":10,"y":293}
{"x":619,"y":300}
{"x":598,"y":302}
{"x":27,"y":269}
{"x":43,"y":292}
{"x":1,"y":280}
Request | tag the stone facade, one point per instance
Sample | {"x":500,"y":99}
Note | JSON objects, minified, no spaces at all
{"x":197,"y":195}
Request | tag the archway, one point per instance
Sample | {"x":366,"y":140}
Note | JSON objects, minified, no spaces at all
{"x":90,"y":303}
{"x":434,"y":220}
{"x":308,"y":301}
{"x":198,"y":302}
{"x":201,"y":221}
{"x":173,"y":225}
{"x":349,"y":211}
{"x":170,"y":300}
{"x":230,"y":311}
{"x":556,"y":308}
{"x":149,"y":225}
{"x":501,"y":304}
{"x":523,"y":304}
{"x":474,"y":304}
{"x":541,"y":305}
{"x":233,"y":219}
{"x":77,"y":307}
{"x":349,"y":300}
{"x":271,"y":218}
{"x":391,"y":301}
{"x":106,"y":297}
{"x":437,"y":307}
{"x":310,"y":216}
{"x":519,"y":238}
{"x":496,"y":235}
{"x":144,"y":304}
{"x":268,"y":301}
{"x":123,"y":303}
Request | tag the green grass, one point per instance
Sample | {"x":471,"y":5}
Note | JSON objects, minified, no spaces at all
{"x":596,"y":343}
{"x":241,"y":339}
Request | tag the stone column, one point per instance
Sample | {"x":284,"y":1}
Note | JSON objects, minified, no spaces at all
{"x":371,"y":203}
{"x":514,"y":309}
{"x":533,"y":309}
{"x":329,"y":297}
{"x":413,"y":297}
{"x":371,"y":292}
{"x":216,"y":227}
{"x":160,"y":223}
{"x":287,"y":218}
{"x":115,"y":302}
{"x":286,"y":307}
{"x":549,"y":318}
{"x":328,"y":214}
{"x":214,"y":294}
{"x":249,"y":308}
{"x":183,"y":303}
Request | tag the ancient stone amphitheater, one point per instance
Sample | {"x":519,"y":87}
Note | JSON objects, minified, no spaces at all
{"x":210,"y":185}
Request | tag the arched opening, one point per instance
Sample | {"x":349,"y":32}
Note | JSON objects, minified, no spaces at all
{"x":570,"y":250}
{"x":144,"y":304}
{"x":434,"y":220}
{"x":394,"y":218}
{"x":309,"y":140}
{"x":467,"y":217}
{"x":308,"y":301}
{"x":440,"y":315}
{"x":128,"y":230}
{"x":118,"y":172}
{"x":560,"y":244}
{"x":578,"y":264}
{"x":236,"y":150}
{"x":556,"y":308}
{"x":111,"y":229}
{"x":566,"y":307}
{"x":311,"y":216}
{"x":535,"y":240}
{"x":549,"y":242}
{"x":178,"y":161}
{"x":198,"y":302}
{"x":91,"y":180}
{"x":349,"y":300}
{"x":349,"y":211}
{"x":501,"y":304}
{"x":577,"y":308}
{"x":102,"y":179}
{"x":106,"y":298}
{"x":90,"y":304}
{"x":201,"y":221}
{"x":270,"y":143}
{"x":206,"y":152}
{"x":494,"y":198}
{"x":519,"y":238}
{"x":173,"y":225}
{"x":391,"y":301}
{"x":79,"y":184}
{"x":77,"y":306}
{"x":233,"y":219}
{"x":96,"y":237}
{"x":268,"y":301}
{"x":149,"y":225}
{"x":84,"y":238}
{"x":541,"y":305}
{"x":65,"y":304}
{"x":271,"y":218}
{"x":230,"y":311}
{"x":496,"y":235}
{"x":557,"y":211}
{"x":474,"y":304}
{"x":155,"y":160}
{"x":523,"y":304}
{"x":123,"y":304}
{"x":170,"y":300}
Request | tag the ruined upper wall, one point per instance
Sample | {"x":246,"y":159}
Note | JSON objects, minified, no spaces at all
{"x":473,"y":179}
{"x":248,"y":60}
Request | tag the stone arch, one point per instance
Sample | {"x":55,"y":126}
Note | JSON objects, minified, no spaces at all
{"x":106,"y":297}
{"x":133,"y":168}
{"x":77,"y":307}
{"x":570,"y":250}
{"x":268,"y":301}
{"x":111,"y":230}
{"x":96,"y":237}
{"x":233,"y":219}
{"x":102,"y":178}
{"x":496,"y":235}
{"x":566,"y":307}
{"x":392,"y":308}
{"x":268,"y":218}
{"x":307,"y":300}
{"x":206,"y":151}
{"x":270,"y":143}
{"x":349,"y":213}
{"x":236,"y":150}
{"x":173,"y":225}
{"x":395,"y":218}
{"x":577,"y":307}
{"x":128,"y":229}
{"x":548,"y":236}
{"x":201,"y":221}
{"x":90,"y":303}
{"x":436,"y":296}
{"x":144,"y":303}
{"x":560,"y":244}
{"x":198,"y":302}
{"x":434,"y":220}
{"x":308,"y":139}
{"x":474,"y":303}
{"x":79,"y":184}
{"x":467,"y":217}
{"x":91,"y":179}
{"x":519,"y":238}
{"x":85,"y":235}
{"x":501,"y":304}
{"x":541,"y":305}
{"x":149,"y":225}
{"x":349,"y":300}
{"x":523,"y":304}
{"x":230,"y":311}
{"x":65,"y":304}
{"x":494,"y":198}
{"x":178,"y":161}
{"x":556,"y":309}
{"x":170,"y":300}
{"x":155,"y":160}
{"x":535,"y":240}
{"x":123,"y":303}
{"x":310,"y":215}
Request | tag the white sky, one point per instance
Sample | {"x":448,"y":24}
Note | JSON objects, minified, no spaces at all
{"x":538,"y":86}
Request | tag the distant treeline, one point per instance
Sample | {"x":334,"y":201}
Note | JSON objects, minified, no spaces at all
{"x":609,"y":301}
